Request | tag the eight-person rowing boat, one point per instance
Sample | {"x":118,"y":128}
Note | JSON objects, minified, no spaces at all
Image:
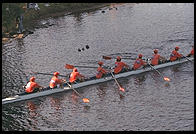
{"x":77,"y":80}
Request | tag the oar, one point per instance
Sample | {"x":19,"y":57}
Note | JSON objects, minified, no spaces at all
{"x":122,"y":89}
{"x":109,"y":58}
{"x":68,"y":66}
{"x":85,"y":100}
{"x":46,"y":74}
{"x":165,"y":78}
{"x":187,"y":58}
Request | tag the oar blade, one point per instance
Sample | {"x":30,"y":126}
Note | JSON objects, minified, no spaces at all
{"x":85,"y":100}
{"x":68,"y":66}
{"x":122,"y":89}
{"x":107,"y":57}
{"x":166,"y":79}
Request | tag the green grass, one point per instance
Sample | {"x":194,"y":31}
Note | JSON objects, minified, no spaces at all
{"x":31,"y":15}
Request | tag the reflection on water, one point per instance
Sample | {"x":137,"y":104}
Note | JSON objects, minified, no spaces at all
{"x":148,"y":103}
{"x":13,"y":73}
{"x":74,"y":97}
{"x":139,"y":80}
{"x":102,"y":91}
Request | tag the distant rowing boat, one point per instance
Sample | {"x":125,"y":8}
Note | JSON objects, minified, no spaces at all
{"x":90,"y":82}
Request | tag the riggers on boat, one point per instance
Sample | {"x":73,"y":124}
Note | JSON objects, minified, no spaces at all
{"x":90,"y":81}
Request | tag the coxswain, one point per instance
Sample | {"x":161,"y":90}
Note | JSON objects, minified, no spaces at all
{"x":32,"y":86}
{"x":138,"y":62}
{"x":75,"y":76}
{"x":192,"y":52}
{"x":175,"y":55}
{"x":55,"y":81}
{"x":101,"y":70}
{"x":156,"y":59}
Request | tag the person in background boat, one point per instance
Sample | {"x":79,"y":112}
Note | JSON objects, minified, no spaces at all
{"x":157,"y":59}
{"x":192,"y":52}
{"x":32,"y":86}
{"x":175,"y":55}
{"x":101,"y":70}
{"x":138,"y":62}
{"x":76,"y":76}
{"x":120,"y":66}
{"x":55,"y":81}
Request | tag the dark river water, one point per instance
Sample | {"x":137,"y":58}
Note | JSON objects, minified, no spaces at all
{"x":149,"y":103}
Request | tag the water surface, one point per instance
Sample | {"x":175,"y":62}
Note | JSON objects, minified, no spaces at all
{"x":149,"y":103}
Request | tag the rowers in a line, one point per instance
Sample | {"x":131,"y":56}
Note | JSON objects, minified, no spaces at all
{"x":120,"y":66}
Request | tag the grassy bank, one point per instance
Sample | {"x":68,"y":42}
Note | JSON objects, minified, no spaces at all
{"x":11,"y":10}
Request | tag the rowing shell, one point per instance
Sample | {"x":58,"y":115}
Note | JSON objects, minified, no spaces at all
{"x":89,"y":82}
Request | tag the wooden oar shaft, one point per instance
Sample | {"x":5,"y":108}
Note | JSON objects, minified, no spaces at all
{"x":73,"y":89}
{"x":48,"y":74}
{"x":124,"y":57}
{"x":85,"y":100}
{"x":188,"y":59}
{"x":86,"y":66}
{"x":155,"y":70}
{"x":91,"y":66}
{"x":68,"y":66}
{"x":115,"y":80}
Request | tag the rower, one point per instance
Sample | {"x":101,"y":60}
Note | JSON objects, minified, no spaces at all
{"x":55,"y":81}
{"x":120,"y":66}
{"x":191,"y":53}
{"x":175,"y":55}
{"x":32,"y":86}
{"x":156,"y":59}
{"x":138,"y":62}
{"x":101,"y":70}
{"x":76,"y":76}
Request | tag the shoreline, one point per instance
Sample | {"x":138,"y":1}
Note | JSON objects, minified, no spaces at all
{"x":36,"y":16}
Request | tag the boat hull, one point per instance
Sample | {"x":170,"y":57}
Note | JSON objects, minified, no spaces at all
{"x":89,"y":82}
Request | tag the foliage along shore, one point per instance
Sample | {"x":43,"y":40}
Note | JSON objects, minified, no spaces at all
{"x":11,"y":10}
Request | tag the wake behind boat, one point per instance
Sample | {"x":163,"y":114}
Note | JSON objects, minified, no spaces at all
{"x":91,"y":81}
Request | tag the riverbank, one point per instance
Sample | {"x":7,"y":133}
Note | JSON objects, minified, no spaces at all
{"x":32,"y":16}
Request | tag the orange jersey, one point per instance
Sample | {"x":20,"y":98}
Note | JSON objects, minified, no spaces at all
{"x":175,"y":55}
{"x":192,"y":52}
{"x":155,"y":59}
{"x":31,"y":86}
{"x":138,"y":63}
{"x":119,"y":66}
{"x":74,"y":76}
{"x":54,"y":81}
{"x":100,"y":73}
